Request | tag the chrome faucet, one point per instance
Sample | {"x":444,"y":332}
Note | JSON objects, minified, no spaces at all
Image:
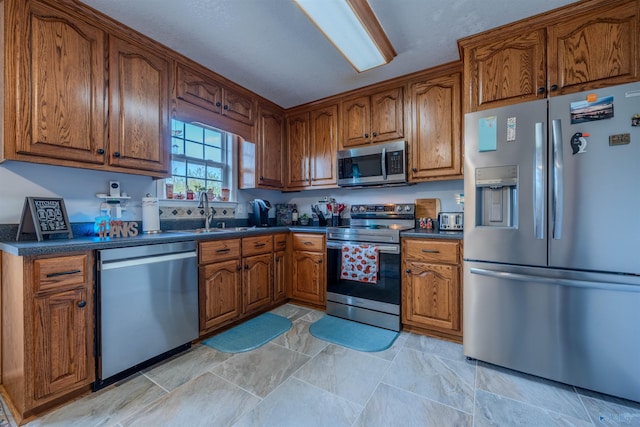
{"x":203,"y":203}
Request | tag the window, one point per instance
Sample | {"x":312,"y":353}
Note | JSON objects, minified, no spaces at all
{"x":200,"y":159}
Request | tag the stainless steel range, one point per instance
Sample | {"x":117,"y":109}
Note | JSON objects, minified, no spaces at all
{"x":374,"y":231}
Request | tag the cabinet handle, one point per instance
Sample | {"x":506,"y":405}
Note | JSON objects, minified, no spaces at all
{"x":307,"y":243}
{"x":431,"y":251}
{"x":414,"y":170}
{"x":226,"y":107}
{"x":63,"y":273}
{"x":541,"y":90}
{"x":258,"y":245}
{"x":554,"y":88}
{"x":81,"y":304}
{"x":408,"y":270}
{"x":116,"y":154}
{"x":218,"y":104}
{"x":375,"y":134}
{"x":366,"y":135}
{"x":220,"y":251}
{"x":100,"y":150}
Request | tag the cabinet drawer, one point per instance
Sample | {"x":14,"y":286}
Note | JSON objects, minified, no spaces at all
{"x":279,"y":242}
{"x":257,"y":245}
{"x":51,"y":273}
{"x":219,"y":250}
{"x":431,"y":250}
{"x":308,"y":242}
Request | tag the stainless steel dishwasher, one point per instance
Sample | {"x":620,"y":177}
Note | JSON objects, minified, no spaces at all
{"x":147,"y":306}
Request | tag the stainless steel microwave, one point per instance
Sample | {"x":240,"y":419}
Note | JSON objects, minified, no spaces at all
{"x":377,"y":164}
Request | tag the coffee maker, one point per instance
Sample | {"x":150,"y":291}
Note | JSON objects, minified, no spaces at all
{"x":260,"y":215}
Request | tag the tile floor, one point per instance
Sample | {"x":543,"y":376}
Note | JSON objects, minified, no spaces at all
{"x":298,"y":380}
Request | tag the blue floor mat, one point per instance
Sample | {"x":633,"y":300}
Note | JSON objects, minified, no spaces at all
{"x":354,"y":335}
{"x":250,"y":334}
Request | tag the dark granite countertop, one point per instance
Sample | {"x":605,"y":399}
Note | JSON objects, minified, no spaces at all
{"x":432,"y":234}
{"x":78,"y":244}
{"x":24,"y":248}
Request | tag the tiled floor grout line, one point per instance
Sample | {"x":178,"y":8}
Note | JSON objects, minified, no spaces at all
{"x":584,"y":406}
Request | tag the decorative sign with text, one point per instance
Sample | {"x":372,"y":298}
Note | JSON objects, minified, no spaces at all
{"x":117,"y":228}
{"x":44,"y":216}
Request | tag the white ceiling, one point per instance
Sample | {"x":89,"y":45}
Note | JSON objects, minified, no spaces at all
{"x":271,"y":48}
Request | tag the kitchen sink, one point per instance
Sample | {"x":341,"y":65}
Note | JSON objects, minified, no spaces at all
{"x":200,"y":230}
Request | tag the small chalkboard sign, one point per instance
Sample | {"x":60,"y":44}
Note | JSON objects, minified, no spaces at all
{"x":44,"y":216}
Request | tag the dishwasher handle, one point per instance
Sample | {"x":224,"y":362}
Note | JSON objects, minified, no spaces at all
{"x":110,"y":265}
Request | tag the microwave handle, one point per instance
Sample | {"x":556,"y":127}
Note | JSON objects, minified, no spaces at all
{"x":383,"y":159}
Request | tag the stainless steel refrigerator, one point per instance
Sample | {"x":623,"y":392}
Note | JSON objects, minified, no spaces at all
{"x":552,"y":238}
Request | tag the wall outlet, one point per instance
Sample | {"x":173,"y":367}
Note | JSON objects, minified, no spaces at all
{"x":240,"y":208}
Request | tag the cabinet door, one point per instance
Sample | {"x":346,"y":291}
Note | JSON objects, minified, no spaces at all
{"x":430,"y":296}
{"x":298,"y":172}
{"x":61,"y":110}
{"x":594,"y":50}
{"x":308,"y":276}
{"x":196,"y":89}
{"x":62,"y":348}
{"x":270,"y":148}
{"x":387,"y":115}
{"x":324,"y":144}
{"x":281,"y":269}
{"x":435,"y":149}
{"x":257,"y":282}
{"x":356,"y":119}
{"x":219,"y":299}
{"x":507,"y":71}
{"x":139,"y":108}
{"x":238,"y":107}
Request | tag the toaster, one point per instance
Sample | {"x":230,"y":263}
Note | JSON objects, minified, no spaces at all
{"x":451,"y":221}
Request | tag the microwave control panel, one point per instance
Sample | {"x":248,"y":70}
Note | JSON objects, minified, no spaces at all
{"x":395,"y":162}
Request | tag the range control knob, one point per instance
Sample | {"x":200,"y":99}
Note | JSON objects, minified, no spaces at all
{"x":363,"y":209}
{"x":354,"y":208}
{"x":398,"y":208}
{"x":407,"y":208}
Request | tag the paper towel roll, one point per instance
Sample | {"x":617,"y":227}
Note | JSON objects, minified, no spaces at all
{"x":150,"y":215}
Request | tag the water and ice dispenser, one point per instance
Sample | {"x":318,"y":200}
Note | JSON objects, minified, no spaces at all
{"x":496,"y":196}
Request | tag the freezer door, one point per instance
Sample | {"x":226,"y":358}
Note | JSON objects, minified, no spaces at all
{"x":505,"y":184}
{"x":572,"y":327}
{"x":594,"y":198}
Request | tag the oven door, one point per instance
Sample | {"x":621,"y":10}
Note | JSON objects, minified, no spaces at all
{"x":382,"y":296}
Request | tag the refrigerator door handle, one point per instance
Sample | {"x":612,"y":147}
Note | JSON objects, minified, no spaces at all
{"x":586,"y":284}
{"x":538,"y":183}
{"x":558,"y":178}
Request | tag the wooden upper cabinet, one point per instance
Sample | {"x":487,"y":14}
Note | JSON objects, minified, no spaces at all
{"x":600,"y":48}
{"x":270,"y":148}
{"x":436,"y":143}
{"x":138,"y":107}
{"x":584,"y":46}
{"x":373,"y":118}
{"x":312,"y":138}
{"x":324,"y":144}
{"x":203,"y":91}
{"x":298,"y":170}
{"x":506,"y":71}
{"x":61,"y":111}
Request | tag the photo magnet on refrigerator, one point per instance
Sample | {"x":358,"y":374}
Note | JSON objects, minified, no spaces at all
{"x":579,"y":142}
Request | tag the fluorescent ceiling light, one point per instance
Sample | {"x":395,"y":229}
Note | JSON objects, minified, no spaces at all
{"x":353,"y":29}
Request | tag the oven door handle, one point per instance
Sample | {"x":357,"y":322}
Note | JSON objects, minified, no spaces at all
{"x":385,"y":249}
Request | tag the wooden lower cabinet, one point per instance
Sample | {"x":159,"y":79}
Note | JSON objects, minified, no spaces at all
{"x":431,"y":287}
{"x":48,"y":333}
{"x":257,"y":282}
{"x":220,"y":287}
{"x":309,"y":268}
{"x":281,"y":268}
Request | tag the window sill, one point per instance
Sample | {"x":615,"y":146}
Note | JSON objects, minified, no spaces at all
{"x":185,"y":202}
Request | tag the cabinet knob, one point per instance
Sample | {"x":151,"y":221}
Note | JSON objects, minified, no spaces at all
{"x":218,"y":104}
{"x":375,"y":134}
{"x":414,"y":170}
{"x":82,"y":304}
{"x":100,"y":150}
{"x":246,"y":266}
{"x":116,"y":154}
{"x":226,"y":107}
{"x":554,"y":88}
{"x":319,"y":261}
{"x":541,"y":90}
{"x":238,"y":268}
{"x":366,"y":135}
{"x":408,"y":270}
{"x":261,"y":178}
